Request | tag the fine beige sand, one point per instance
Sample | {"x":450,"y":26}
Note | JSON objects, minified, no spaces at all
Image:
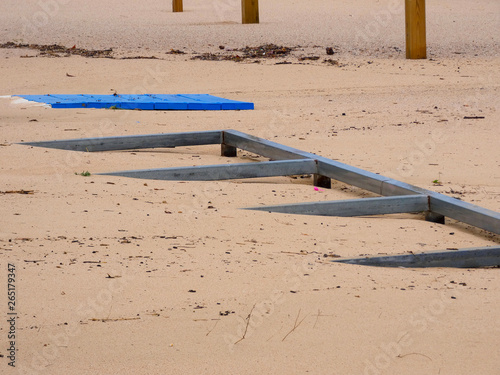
{"x":127,"y":276}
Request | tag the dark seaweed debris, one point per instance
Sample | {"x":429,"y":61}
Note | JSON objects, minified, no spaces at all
{"x":215,"y":57}
{"x":139,"y":58}
{"x":55,"y":50}
{"x":175,"y":52}
{"x":312,"y":58}
{"x":332,"y":62}
{"x":266,"y":51}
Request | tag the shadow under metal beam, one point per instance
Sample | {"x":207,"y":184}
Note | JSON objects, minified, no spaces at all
{"x":464,"y":258}
{"x":224,"y":171}
{"x":133,"y":142}
{"x":354,"y":207}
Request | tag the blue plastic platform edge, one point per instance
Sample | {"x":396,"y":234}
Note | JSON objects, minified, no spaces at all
{"x":194,"y":102}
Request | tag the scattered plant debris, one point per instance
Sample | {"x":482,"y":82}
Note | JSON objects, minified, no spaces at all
{"x":175,"y":52}
{"x":84,"y":174}
{"x":112,"y":320}
{"x":331,"y":255}
{"x":312,"y":58}
{"x":436,"y":182}
{"x":56,"y":50}
{"x":266,"y":51}
{"x":331,"y":62}
{"x":139,"y":58}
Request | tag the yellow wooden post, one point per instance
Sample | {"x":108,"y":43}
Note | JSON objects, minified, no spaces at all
{"x":250,"y":11}
{"x":177,"y":6}
{"x":416,"y":47}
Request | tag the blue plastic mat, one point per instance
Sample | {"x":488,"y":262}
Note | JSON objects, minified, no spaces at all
{"x":186,"y":102}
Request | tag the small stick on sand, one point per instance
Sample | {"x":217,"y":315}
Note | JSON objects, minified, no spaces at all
{"x":112,"y":320}
{"x":246,"y":328}
{"x":423,"y":355}
{"x":18,"y":192}
{"x":215,"y":325}
{"x":317,"y":317}
{"x":295,"y":325}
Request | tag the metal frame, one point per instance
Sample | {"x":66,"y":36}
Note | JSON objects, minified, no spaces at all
{"x":398,"y":197}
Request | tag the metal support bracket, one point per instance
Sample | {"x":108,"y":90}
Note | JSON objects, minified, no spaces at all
{"x":397,"y":196}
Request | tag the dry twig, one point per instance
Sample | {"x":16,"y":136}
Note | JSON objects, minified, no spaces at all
{"x":18,"y":192}
{"x":295,"y":325}
{"x":215,"y":325}
{"x":246,"y":328}
{"x":423,"y":355}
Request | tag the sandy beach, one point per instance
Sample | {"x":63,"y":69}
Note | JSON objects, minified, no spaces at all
{"x":117,"y":275}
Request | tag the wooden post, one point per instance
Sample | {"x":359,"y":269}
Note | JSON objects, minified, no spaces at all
{"x":416,"y":47}
{"x":228,"y":151}
{"x":250,"y":11}
{"x":177,"y":6}
{"x":322,"y":181}
{"x":434,"y":217}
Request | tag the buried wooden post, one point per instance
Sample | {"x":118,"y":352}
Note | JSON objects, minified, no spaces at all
{"x":416,"y":47}
{"x":177,"y":6}
{"x":322,"y":181}
{"x":434,"y":217}
{"x":250,"y":11}
{"x":228,"y":150}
